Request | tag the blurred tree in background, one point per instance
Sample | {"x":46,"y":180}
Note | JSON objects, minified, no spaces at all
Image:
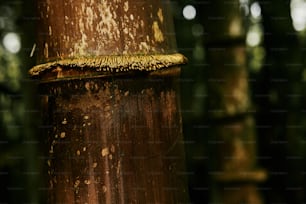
{"x":18,"y":108}
{"x":275,"y":39}
{"x":276,"y":44}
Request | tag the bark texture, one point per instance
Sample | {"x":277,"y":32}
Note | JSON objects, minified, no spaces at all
{"x":108,"y":72}
{"x":95,"y":28}
{"x":110,"y":143}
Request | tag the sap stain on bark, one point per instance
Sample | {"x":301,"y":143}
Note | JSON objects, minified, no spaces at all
{"x":158,"y":34}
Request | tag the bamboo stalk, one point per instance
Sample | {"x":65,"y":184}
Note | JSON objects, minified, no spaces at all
{"x":233,"y":138}
{"x":108,"y":74}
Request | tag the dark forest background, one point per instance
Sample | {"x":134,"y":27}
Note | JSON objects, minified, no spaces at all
{"x":276,"y":44}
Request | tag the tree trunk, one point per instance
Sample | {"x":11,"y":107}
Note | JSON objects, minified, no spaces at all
{"x":232,"y":128}
{"x":108,"y":74}
{"x":282,"y":77}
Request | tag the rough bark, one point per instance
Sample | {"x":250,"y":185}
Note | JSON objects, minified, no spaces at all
{"x":108,"y":73}
{"x":96,"y":28}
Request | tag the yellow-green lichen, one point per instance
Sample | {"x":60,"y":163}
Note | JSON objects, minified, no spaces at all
{"x":116,"y":63}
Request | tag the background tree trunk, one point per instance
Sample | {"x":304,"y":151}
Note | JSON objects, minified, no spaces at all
{"x":281,"y":81}
{"x":231,"y":124}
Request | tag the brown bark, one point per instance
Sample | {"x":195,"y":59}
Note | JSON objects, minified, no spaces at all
{"x":235,"y":150}
{"x":222,"y":19}
{"x":110,"y":143}
{"x":96,"y":28}
{"x":108,"y":75}
{"x":227,"y":81}
{"x":234,"y":172}
{"x":239,"y":193}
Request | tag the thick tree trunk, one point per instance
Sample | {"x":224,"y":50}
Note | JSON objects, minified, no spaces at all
{"x":232,"y":128}
{"x":108,"y":73}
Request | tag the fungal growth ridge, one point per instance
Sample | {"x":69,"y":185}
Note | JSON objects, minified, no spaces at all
{"x":115,"y":63}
